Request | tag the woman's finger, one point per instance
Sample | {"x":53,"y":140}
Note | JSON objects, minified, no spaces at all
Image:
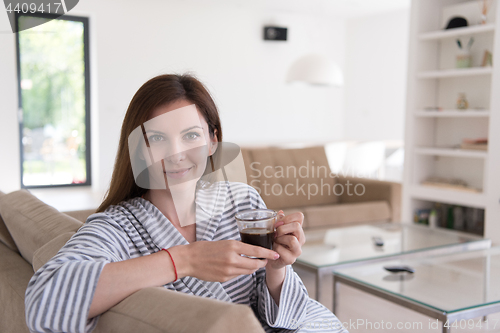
{"x":287,"y":256}
{"x":235,"y":265}
{"x":294,"y":217}
{"x":246,"y":263}
{"x":293,"y":228}
{"x":251,"y":264}
{"x":257,"y":251}
{"x":290,"y":243}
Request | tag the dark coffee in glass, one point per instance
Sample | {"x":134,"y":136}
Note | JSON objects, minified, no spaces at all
{"x":258,"y":236}
{"x":256,"y":227}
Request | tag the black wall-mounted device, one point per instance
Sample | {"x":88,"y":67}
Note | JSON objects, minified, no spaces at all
{"x":275,"y":33}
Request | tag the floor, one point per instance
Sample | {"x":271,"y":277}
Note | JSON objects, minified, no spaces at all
{"x":361,"y":312}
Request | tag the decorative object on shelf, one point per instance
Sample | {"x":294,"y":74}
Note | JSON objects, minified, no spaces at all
{"x":458,"y":218}
{"x":457,"y":22}
{"x":474,"y":220}
{"x":474,"y":144}
{"x":448,"y":216}
{"x":487,"y":59}
{"x":450,"y":222}
{"x":462,"y":103}
{"x":440,"y":210}
{"x":433,"y":219}
{"x":433,"y":108}
{"x":316,"y":69}
{"x":464,"y":58}
{"x":476,"y":12}
{"x":422,"y":216}
{"x":486,"y":5}
{"x":450,"y":184}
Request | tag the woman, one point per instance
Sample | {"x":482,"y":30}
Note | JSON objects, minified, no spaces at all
{"x":157,"y":200}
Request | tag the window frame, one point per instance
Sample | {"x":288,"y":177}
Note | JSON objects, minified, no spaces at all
{"x":86,"y":60}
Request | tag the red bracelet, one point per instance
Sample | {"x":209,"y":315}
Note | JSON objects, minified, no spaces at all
{"x":173,"y":263}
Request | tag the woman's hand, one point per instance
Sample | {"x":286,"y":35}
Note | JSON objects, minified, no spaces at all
{"x":288,"y":241}
{"x":220,"y":260}
{"x":289,"y":238}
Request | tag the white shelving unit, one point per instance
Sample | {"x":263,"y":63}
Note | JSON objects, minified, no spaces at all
{"x":452,"y":114}
{"x":435,"y":83}
{"x":444,"y":73}
{"x":453,"y":33}
{"x":449,"y":196}
{"x":451,"y":152}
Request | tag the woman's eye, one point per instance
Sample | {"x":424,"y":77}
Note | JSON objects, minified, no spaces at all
{"x":155,"y":138}
{"x":191,"y":136}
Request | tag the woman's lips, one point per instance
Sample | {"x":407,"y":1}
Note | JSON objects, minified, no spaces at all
{"x":177,"y":173}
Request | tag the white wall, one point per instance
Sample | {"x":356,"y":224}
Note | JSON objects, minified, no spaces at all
{"x":221,"y":43}
{"x":376,"y":65}
{"x":9,"y":130}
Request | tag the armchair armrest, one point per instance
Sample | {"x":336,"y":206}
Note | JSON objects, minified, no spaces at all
{"x":372,"y":190}
{"x":159,"y":310}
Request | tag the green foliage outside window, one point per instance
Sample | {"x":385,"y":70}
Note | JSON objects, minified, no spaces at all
{"x":53,"y":101}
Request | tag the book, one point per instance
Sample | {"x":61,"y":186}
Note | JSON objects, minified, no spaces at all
{"x":474,"y":146}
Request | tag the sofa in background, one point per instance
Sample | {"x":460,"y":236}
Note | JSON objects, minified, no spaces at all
{"x":32,"y":232}
{"x":326,"y":199}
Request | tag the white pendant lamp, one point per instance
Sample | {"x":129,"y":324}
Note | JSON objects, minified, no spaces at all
{"x":316,"y":69}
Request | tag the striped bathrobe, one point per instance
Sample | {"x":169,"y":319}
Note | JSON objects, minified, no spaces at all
{"x":59,"y":295}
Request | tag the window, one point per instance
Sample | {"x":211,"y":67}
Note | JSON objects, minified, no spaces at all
{"x":54,"y":100}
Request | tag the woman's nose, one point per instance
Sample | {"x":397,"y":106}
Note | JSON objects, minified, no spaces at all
{"x":175,"y":154}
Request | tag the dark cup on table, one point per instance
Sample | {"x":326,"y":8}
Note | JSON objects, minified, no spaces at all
{"x":256,"y":226}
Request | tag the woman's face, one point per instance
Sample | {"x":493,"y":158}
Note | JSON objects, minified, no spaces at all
{"x":179,"y":144}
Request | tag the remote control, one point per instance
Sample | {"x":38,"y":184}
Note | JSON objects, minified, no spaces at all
{"x":399,"y":268}
{"x":378,"y":241}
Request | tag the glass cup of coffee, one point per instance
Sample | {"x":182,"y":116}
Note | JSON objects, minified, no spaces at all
{"x":256,"y":226}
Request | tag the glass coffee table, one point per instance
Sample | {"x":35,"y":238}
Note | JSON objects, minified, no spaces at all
{"x":453,"y":288}
{"x":331,"y":249}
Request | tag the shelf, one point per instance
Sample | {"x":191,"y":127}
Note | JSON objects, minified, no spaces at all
{"x":452,"y":197}
{"x":468,"y":153}
{"x":453,"y":114}
{"x":444,"y":73}
{"x":437,"y":160}
{"x":451,"y":33}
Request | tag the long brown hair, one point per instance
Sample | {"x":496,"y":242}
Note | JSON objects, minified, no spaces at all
{"x":157,"y":92}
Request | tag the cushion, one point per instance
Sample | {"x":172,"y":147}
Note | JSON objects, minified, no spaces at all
{"x":32,"y":223}
{"x":5,"y":236}
{"x":47,"y":251}
{"x":148,"y":311}
{"x":336,"y":215}
{"x":287,"y":178}
{"x":15,"y":273}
